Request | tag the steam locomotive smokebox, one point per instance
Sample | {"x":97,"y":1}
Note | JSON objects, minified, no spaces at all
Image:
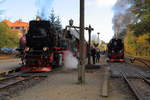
{"x":40,"y":35}
{"x":116,"y":44}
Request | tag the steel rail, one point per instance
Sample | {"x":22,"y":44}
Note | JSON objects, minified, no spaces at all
{"x":1,"y":80}
{"x":144,"y":78}
{"x":2,"y":85}
{"x":133,"y":88}
{"x":143,"y":61}
{"x":132,"y":59}
{"x":12,"y":75}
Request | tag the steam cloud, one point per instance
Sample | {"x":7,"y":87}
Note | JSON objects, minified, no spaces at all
{"x":70,"y":61}
{"x":43,"y":8}
{"x":122,"y":16}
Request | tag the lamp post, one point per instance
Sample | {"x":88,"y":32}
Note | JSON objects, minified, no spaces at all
{"x":81,"y":67}
{"x":81,"y":76}
{"x":98,"y":37}
{"x":71,"y":22}
{"x":90,"y":29}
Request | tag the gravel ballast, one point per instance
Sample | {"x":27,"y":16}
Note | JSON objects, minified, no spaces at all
{"x":63,"y":86}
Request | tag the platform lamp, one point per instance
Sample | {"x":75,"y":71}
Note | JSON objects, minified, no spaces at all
{"x":81,"y":69}
{"x":71,"y":22}
{"x":98,"y":36}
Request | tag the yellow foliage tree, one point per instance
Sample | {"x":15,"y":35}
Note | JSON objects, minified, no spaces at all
{"x":129,"y":43}
{"x":137,"y":46}
{"x":144,"y":45}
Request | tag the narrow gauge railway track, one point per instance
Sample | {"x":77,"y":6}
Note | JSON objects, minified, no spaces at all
{"x":22,"y":76}
{"x":10,"y":81}
{"x":144,"y":79}
{"x":140,"y":92}
{"x":144,"y":61}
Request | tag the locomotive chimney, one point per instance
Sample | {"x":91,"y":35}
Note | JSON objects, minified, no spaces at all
{"x":38,"y":18}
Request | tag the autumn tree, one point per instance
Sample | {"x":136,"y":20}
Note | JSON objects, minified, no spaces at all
{"x":8,"y":39}
{"x":137,"y":40}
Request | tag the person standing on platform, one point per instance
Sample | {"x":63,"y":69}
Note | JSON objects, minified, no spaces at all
{"x":93,"y":54}
{"x":97,"y":55}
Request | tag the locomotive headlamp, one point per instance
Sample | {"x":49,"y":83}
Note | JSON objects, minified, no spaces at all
{"x":45,"y":48}
{"x":27,"y":49}
{"x":112,"y":51}
{"x":121,"y":51}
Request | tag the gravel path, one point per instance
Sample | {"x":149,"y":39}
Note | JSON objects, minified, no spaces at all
{"x":63,"y":86}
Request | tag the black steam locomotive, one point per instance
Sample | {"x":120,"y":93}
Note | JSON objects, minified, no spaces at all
{"x":38,"y":54}
{"x":44,"y":47}
{"x":115,"y":50}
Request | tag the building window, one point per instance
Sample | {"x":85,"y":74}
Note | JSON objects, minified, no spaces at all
{"x":22,"y":27}
{"x":17,"y":27}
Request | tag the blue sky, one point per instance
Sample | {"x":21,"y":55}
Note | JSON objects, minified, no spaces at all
{"x":98,"y":13}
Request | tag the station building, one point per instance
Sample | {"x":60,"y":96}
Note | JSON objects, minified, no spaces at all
{"x":18,"y":26}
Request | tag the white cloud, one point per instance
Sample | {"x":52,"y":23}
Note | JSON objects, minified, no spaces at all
{"x":100,"y":3}
{"x":105,"y":2}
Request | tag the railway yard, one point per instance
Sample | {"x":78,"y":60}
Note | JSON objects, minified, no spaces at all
{"x":110,"y":81}
{"x":89,"y":50}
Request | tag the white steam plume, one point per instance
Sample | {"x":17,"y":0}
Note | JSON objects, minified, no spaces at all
{"x":70,"y":61}
{"x":122,"y":16}
{"x":43,"y":8}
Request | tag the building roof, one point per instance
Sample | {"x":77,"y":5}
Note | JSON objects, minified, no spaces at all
{"x":18,"y":23}
{"x":8,"y":22}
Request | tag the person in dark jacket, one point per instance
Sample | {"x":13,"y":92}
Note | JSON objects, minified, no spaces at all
{"x":97,"y":56}
{"x":93,"y":54}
